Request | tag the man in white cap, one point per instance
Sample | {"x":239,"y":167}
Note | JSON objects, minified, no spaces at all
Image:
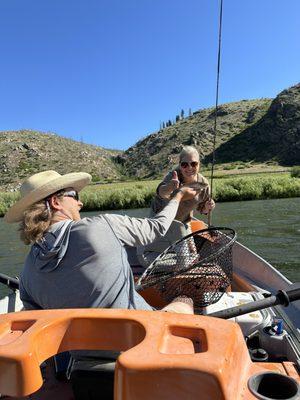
{"x":80,"y":263}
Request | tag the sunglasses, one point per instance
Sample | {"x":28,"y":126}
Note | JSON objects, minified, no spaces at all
{"x":193,"y":164}
{"x":71,"y":193}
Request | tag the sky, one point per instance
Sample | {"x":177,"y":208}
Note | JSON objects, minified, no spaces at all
{"x":109,"y":72}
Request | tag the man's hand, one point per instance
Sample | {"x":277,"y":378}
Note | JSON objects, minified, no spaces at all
{"x":185,"y":193}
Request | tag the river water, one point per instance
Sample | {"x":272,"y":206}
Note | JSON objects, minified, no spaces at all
{"x":271,"y":228}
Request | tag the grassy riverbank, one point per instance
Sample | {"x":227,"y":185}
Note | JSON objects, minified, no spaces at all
{"x":126,"y":195}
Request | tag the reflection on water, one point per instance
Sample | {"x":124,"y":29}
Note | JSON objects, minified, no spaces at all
{"x":271,"y":228}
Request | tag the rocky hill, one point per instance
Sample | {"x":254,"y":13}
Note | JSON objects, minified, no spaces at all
{"x":249,"y":130}
{"x":23,"y":153}
{"x":256,"y":131}
{"x":275,"y":137}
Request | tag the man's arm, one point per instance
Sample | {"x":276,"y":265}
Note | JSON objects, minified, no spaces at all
{"x":142,"y":231}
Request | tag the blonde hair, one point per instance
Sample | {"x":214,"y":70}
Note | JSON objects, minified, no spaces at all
{"x":187,"y":150}
{"x":36,"y":220}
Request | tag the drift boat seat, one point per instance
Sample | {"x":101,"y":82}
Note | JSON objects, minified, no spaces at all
{"x":92,"y":378}
{"x":91,"y":374}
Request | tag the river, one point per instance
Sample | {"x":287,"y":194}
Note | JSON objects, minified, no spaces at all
{"x":271,"y":228}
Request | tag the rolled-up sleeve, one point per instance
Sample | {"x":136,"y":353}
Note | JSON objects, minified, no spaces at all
{"x":142,"y":231}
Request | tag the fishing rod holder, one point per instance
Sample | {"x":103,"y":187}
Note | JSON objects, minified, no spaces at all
{"x":272,"y":386}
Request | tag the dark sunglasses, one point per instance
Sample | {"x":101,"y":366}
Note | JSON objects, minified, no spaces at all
{"x":72,"y":193}
{"x":193,"y":164}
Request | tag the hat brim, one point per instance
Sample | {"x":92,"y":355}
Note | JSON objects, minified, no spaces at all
{"x":76,"y":180}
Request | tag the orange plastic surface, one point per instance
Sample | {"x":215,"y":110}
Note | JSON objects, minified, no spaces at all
{"x":196,"y":225}
{"x":165,"y":356}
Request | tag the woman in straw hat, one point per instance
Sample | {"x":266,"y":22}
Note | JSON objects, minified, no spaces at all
{"x":78,"y":263}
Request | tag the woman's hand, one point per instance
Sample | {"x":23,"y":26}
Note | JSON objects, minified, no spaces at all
{"x":165,"y":190}
{"x":174,"y":182}
{"x":208,"y":206}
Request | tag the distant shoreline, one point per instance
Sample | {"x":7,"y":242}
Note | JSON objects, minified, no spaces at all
{"x":138,"y":194}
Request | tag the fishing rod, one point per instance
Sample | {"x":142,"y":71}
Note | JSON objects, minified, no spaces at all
{"x":209,"y":217}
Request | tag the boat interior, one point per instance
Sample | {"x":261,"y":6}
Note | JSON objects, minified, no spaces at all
{"x":150,"y":354}
{"x":89,"y":354}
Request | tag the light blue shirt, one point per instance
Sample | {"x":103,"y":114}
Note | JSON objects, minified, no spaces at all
{"x":84,"y":264}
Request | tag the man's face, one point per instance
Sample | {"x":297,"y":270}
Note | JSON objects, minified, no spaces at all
{"x":69,"y":204}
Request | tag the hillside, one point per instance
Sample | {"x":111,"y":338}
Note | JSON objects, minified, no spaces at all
{"x":23,"y":153}
{"x":249,"y":131}
{"x":261,"y":130}
{"x":275,"y":137}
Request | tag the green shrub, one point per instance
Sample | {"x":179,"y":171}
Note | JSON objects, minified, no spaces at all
{"x":228,"y":167}
{"x":7,"y":199}
{"x":295,"y":172}
{"x":252,"y":188}
{"x":95,"y":178}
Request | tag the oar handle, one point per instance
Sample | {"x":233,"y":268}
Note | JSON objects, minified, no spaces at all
{"x":282,"y":297}
{"x":12,"y":283}
{"x":293,"y":294}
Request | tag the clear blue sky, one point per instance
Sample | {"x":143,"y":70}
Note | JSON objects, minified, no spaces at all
{"x":109,"y":71}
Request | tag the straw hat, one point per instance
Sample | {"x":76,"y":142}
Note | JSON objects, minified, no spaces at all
{"x":42,"y":185}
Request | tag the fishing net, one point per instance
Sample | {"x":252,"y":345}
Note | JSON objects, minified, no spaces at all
{"x":198,"y":266}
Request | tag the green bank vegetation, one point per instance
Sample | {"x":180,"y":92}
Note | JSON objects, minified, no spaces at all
{"x":116,"y":196}
{"x":138,"y":194}
{"x":295,"y":172}
{"x":256,"y":187}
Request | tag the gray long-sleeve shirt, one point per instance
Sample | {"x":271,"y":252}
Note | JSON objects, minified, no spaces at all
{"x":84,"y":264}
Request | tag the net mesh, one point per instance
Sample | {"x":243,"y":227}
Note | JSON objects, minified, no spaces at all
{"x":198,"y":266}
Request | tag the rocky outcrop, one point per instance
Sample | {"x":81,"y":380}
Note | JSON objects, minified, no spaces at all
{"x":276,"y":136}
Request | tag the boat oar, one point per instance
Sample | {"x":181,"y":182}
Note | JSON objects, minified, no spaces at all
{"x":12,"y":283}
{"x":282,"y":297}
